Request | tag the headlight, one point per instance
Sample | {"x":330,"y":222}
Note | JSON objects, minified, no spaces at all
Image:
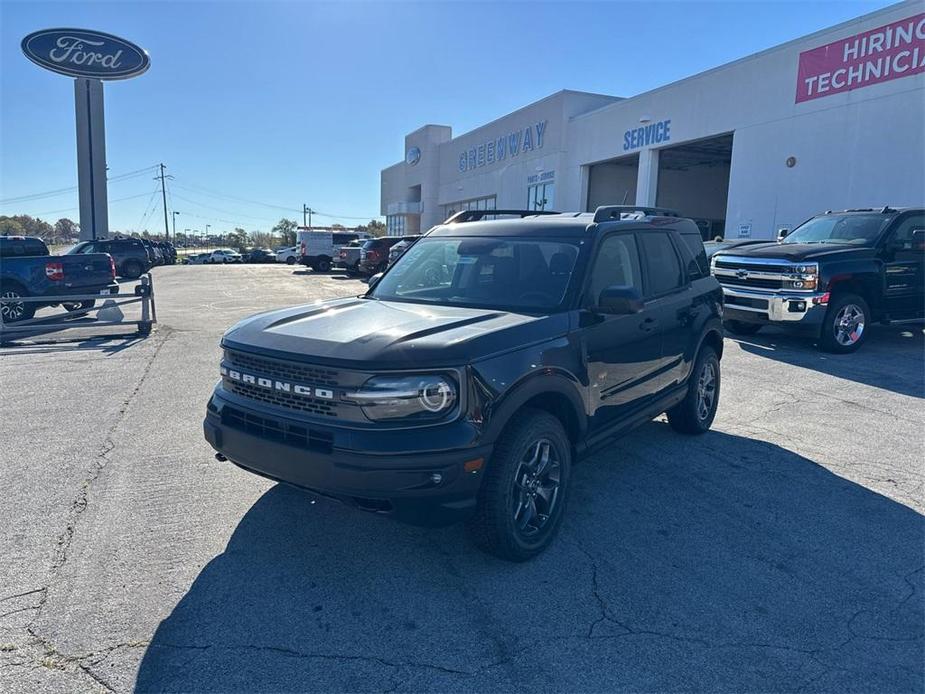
{"x":805,"y":277}
{"x":417,"y":396}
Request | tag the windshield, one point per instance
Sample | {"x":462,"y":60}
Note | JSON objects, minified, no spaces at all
{"x":530,"y":275}
{"x":76,"y":249}
{"x":859,"y":229}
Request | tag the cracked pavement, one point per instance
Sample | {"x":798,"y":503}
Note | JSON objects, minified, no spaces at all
{"x":784,"y":551}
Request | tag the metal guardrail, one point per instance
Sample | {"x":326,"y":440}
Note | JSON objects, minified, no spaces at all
{"x":142,"y":293}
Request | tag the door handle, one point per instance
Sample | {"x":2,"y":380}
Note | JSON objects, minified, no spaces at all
{"x":648,"y":325}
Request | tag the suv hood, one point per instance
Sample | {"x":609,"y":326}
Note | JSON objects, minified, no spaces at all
{"x":796,"y":252}
{"x":366,"y":333}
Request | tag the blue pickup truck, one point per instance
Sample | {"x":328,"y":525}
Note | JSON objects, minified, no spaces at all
{"x":27,"y":269}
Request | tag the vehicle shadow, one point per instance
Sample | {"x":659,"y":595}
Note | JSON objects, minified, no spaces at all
{"x":719,"y":563}
{"x":891,"y":358}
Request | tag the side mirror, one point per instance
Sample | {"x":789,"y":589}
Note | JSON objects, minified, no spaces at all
{"x":374,"y":280}
{"x":620,"y":300}
{"x":918,"y":239}
{"x":782,"y":233}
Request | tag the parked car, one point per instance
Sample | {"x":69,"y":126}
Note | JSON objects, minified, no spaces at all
{"x":317,"y":249}
{"x":477,"y":369}
{"x":224,"y":255}
{"x":27,"y":269}
{"x":289,"y":255}
{"x":374,"y":254}
{"x":832,"y":277}
{"x":197,"y":258}
{"x":396,"y":251}
{"x":261,"y":255}
{"x":348,"y":257}
{"x":130,"y":256}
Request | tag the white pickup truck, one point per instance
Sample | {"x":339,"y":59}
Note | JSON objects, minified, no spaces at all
{"x":318,"y":249}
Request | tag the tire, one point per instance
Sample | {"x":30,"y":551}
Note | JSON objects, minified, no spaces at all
{"x":504,"y":524}
{"x":132,"y":270}
{"x":323,"y":265}
{"x":290,"y":260}
{"x":845,"y":326}
{"x":695,"y":413}
{"x":13,"y":311}
{"x":738,"y":327}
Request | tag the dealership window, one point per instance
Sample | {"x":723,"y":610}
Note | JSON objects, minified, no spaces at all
{"x":541,"y":196}
{"x":395,"y":225}
{"x":488,"y":202}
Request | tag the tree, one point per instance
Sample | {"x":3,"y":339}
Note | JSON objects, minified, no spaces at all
{"x":66,"y":229}
{"x":286,"y":228}
{"x":375,"y":228}
{"x":237,"y":239}
{"x":30,"y":226}
{"x":11,"y":227}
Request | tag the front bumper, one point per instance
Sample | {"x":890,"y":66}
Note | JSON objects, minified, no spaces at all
{"x":756,"y":306}
{"x":319,"y":458}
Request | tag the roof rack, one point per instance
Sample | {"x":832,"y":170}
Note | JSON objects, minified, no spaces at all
{"x":476,"y":215}
{"x":606,"y":213}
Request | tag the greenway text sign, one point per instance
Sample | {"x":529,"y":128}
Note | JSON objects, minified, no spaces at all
{"x":882,"y":54}
{"x":84,"y":53}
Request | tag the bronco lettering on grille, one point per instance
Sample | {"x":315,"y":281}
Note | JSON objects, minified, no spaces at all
{"x":273,"y":384}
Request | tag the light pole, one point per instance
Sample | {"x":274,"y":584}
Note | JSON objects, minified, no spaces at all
{"x":208,"y":239}
{"x":175,"y":213}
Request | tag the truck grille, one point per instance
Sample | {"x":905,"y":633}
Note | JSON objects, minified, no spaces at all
{"x":748,"y":273}
{"x":287,"y":400}
{"x":283,"y":370}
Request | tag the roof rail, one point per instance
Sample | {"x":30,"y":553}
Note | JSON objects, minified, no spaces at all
{"x":476,"y":215}
{"x":606,"y":213}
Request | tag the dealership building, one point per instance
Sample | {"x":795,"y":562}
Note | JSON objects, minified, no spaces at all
{"x":832,"y":120}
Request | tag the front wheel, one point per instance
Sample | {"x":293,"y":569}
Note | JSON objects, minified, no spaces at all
{"x":695,"y":413}
{"x":844,"y":327}
{"x":132,"y":270}
{"x":323,"y":265}
{"x":290,"y":260}
{"x":522,"y":499}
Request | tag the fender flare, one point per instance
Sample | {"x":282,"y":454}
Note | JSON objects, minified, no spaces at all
{"x":713,"y":325}
{"x":558,"y":384}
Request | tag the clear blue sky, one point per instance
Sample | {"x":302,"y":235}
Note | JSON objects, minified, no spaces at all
{"x":297,"y":102}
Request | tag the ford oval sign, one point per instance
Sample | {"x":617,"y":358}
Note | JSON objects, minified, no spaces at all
{"x":413,"y":156}
{"x":84,"y":53}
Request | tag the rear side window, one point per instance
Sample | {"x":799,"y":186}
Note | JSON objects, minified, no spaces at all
{"x":698,"y":266}
{"x":663,"y":269}
{"x":22,"y":247}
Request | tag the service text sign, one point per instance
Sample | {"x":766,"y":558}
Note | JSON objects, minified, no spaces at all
{"x":882,"y":54}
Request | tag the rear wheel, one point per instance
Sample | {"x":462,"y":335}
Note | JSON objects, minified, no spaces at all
{"x":523,"y":496}
{"x":844,"y":327}
{"x":11,"y":309}
{"x":738,"y":327}
{"x":290,"y":260}
{"x":695,"y":413}
{"x":132,"y":270}
{"x":323,"y":265}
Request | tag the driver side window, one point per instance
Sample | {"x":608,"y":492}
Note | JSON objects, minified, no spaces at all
{"x":617,"y":262}
{"x":901,"y":240}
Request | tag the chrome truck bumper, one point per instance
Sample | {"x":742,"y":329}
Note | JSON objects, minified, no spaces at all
{"x":757,"y":306}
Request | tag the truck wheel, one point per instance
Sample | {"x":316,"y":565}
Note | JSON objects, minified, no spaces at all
{"x":290,"y":260}
{"x":323,"y":265}
{"x":11,"y":309}
{"x":523,"y":496}
{"x":844,"y":327}
{"x":132,"y":270}
{"x":695,"y":413}
{"x":738,"y":327}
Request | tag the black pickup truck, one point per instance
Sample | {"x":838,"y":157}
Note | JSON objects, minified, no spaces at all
{"x":831,"y":277}
{"x":28,"y":270}
{"x":472,"y":374}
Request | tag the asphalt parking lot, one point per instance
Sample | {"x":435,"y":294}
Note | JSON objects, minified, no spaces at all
{"x":783,"y":551}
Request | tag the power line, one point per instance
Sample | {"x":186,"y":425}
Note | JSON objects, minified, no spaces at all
{"x":71,"y":209}
{"x":61,"y":191}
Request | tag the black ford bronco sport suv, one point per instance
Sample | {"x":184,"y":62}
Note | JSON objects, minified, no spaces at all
{"x":831,"y":278}
{"x":468,"y":379}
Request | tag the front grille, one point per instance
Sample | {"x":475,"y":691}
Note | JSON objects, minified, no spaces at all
{"x":282,"y":370}
{"x":753,"y":267}
{"x":282,"y":399}
{"x":756,"y":282}
{"x":274,"y":430}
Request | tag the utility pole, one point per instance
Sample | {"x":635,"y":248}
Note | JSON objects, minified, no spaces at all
{"x":306,"y":210}
{"x":162,"y":178}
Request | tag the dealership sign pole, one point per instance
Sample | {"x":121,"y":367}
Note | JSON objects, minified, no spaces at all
{"x":89,"y":57}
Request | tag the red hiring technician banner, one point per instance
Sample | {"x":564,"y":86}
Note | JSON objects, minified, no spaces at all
{"x":885,"y":53}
